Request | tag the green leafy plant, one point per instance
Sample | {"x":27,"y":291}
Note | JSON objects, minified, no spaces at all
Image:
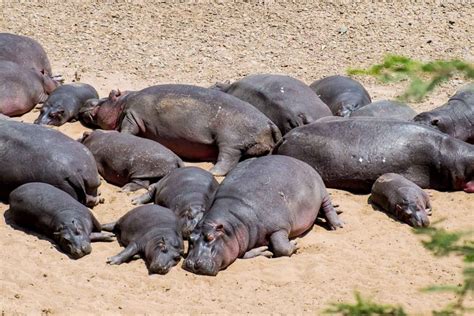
{"x":364,"y":307}
{"x":423,"y":77}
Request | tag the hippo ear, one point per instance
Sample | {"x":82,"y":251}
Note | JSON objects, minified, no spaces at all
{"x":220,"y":229}
{"x":113,"y":95}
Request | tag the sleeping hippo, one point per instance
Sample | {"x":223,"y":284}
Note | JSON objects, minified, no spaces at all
{"x":288,"y":102}
{"x":24,"y":51}
{"x":188,"y":191}
{"x":195,"y":123}
{"x":343,"y":95}
{"x":350,"y":154}
{"x":129,"y":161}
{"x":401,"y":198}
{"x":55,"y":214}
{"x":22,"y":88}
{"x":32,"y":153}
{"x":150,"y":231}
{"x":64,"y":103}
{"x":455,"y":118}
{"x":259,"y":208}
{"x":386,"y":109}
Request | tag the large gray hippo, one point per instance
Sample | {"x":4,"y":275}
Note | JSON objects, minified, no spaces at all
{"x":287,"y":101}
{"x":64,"y":103}
{"x":259,"y":207}
{"x":55,"y":214}
{"x":194,"y":122}
{"x":129,"y":161}
{"x":342,"y":94}
{"x":351,"y":154}
{"x":22,"y":88}
{"x":456,"y":117}
{"x":24,"y":51}
{"x":150,"y":231}
{"x":32,"y":153}
{"x":188,"y":191}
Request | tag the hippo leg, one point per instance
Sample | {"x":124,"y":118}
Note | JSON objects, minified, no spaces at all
{"x":109,"y":227}
{"x":135,"y":185}
{"x":227,"y":159}
{"x":102,"y":236}
{"x":330,"y":214}
{"x":125,"y":255}
{"x":259,"y":251}
{"x":281,"y":245}
{"x":146,"y":197}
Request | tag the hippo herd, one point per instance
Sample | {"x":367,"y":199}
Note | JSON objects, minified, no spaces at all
{"x":279,"y":143}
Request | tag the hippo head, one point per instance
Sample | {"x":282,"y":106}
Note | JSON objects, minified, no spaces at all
{"x":163,"y":252}
{"x":104,"y":113}
{"x":189,"y":218}
{"x":73,"y":239}
{"x":438,"y":120}
{"x":53,"y":114}
{"x":414,"y":212}
{"x":208,"y":252}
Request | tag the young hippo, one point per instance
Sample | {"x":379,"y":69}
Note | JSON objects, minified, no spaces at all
{"x":401,"y":198}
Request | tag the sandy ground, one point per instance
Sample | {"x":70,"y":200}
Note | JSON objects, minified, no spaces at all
{"x":135,"y":45}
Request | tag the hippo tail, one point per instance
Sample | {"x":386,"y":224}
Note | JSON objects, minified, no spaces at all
{"x":221,"y":86}
{"x":276,"y":134}
{"x":274,"y":150}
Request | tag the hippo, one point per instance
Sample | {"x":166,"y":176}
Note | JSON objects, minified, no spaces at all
{"x":32,"y":153}
{"x":401,"y":198}
{"x":195,"y":123}
{"x":151,"y":231}
{"x":455,"y":118}
{"x":22,"y":88}
{"x":350,"y":154}
{"x":188,"y":191}
{"x":342,"y":94}
{"x":64,"y":103}
{"x":24,"y":51}
{"x":288,"y":102}
{"x":386,"y":109}
{"x":56,"y":215}
{"x":129,"y":161}
{"x":260,"y":206}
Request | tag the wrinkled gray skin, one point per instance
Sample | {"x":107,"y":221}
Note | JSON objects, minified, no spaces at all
{"x":386,"y":109}
{"x":195,"y":123}
{"x":288,"y":102}
{"x":342,"y":95}
{"x":401,"y":198}
{"x":261,"y":205}
{"x":22,"y":88}
{"x":129,"y":161}
{"x":188,"y":192}
{"x":32,"y":153}
{"x":350,"y":154}
{"x":24,"y":51}
{"x":455,"y":118}
{"x":150,"y":231}
{"x":64,"y":103}
{"x":56,"y":215}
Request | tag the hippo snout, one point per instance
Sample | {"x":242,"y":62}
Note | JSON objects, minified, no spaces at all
{"x":80,"y":251}
{"x":420,"y":219}
{"x":200,"y":266}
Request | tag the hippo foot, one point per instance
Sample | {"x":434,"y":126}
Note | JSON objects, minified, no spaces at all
{"x":259,"y":251}
{"x":219,"y":171}
{"x":133,"y":186}
{"x":102,"y":236}
{"x":115,"y":260}
{"x":281,"y":245}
